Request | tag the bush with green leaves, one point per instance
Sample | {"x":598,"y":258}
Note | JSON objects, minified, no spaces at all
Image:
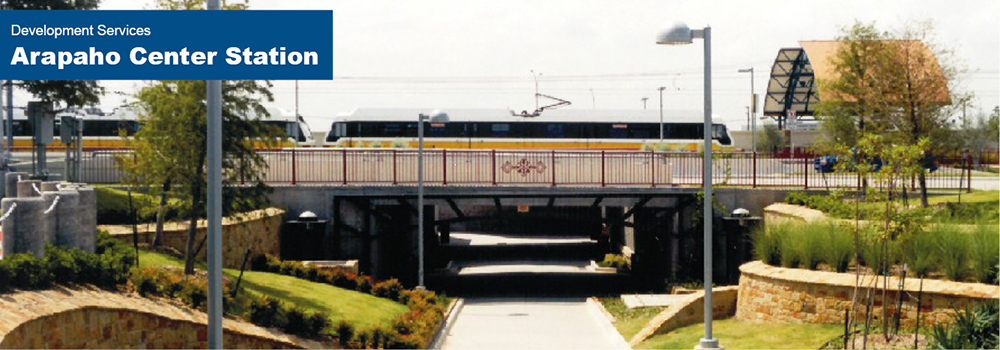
{"x":617,"y":261}
{"x":975,"y":327}
{"x":388,"y":289}
{"x":920,"y":253}
{"x":765,"y":243}
{"x":107,"y":268}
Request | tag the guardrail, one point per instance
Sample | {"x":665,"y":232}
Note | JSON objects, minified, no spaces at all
{"x":387,"y":167}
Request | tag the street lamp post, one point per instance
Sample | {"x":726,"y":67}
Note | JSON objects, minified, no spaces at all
{"x":214,"y":205}
{"x":680,"y":33}
{"x":436,"y":117}
{"x":753,"y":110}
{"x":661,"y":112}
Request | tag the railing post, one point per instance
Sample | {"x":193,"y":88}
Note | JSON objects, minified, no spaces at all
{"x":343,"y":162}
{"x":294,"y":166}
{"x":603,"y":182}
{"x":652,"y":165}
{"x":807,"y":174}
{"x":553,"y":168}
{"x":754,"y":170}
{"x":394,"y":167}
{"x":444,"y":166}
{"x":493,"y":165}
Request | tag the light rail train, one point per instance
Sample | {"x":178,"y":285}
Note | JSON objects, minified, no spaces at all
{"x":500,"y":129}
{"x":104,"y":130}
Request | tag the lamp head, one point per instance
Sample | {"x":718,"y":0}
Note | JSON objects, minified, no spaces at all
{"x":747,"y":70}
{"x":438,"y":117}
{"x":677,"y":34}
{"x":662,"y":88}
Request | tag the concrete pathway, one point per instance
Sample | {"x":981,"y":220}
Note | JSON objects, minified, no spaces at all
{"x":531,"y":323}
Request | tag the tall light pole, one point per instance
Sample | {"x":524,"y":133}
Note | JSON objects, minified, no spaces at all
{"x":214,"y":204}
{"x":680,"y":33}
{"x":644,"y":99}
{"x":661,"y":112}
{"x":753,"y":110}
{"x":295,"y":128}
{"x":436,"y":117}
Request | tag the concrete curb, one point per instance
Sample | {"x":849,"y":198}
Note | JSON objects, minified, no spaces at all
{"x":602,"y":317}
{"x":449,"y":321}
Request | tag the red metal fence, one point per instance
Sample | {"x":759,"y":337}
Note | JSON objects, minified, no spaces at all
{"x":386,"y":167}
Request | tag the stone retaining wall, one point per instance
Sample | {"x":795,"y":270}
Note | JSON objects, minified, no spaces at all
{"x":89,"y":318}
{"x":688,"y":312}
{"x":257,"y":230}
{"x":776,"y":294}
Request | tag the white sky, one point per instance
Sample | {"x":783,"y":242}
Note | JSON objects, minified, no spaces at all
{"x":478,"y":54}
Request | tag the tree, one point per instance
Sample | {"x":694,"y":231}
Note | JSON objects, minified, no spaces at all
{"x":769,"y":138}
{"x":69,"y":93}
{"x":170,"y":148}
{"x":895,"y":84}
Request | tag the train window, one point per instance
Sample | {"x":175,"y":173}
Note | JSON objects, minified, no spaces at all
{"x":554,"y":131}
{"x":683,"y":131}
{"x":619,"y":131}
{"x":500,"y":129}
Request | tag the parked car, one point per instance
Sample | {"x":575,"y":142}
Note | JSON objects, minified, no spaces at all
{"x":827,"y":164}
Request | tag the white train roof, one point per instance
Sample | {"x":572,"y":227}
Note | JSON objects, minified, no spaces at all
{"x":504,"y":115}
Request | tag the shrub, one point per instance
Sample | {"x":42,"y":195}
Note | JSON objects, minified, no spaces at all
{"x":788,"y":245}
{"x":953,"y":251}
{"x":617,"y":261}
{"x":296,"y":322}
{"x":145,"y":283}
{"x":266,"y":312}
{"x":317,"y":323}
{"x":345,"y":332}
{"x":88,"y":266}
{"x":364,"y":284}
{"x":811,"y":243}
{"x":971,"y":328}
{"x":61,"y":264}
{"x":194,"y":293}
{"x":388,"y":289}
{"x":6,"y":275}
{"x":839,"y":246}
{"x":985,"y":253}
{"x":29,"y":272}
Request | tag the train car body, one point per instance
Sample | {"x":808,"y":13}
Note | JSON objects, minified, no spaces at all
{"x":105,"y":130}
{"x":499,"y":129}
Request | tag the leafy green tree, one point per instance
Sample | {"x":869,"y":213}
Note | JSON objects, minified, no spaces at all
{"x":69,"y":93}
{"x":170,"y":149}
{"x":893,"y":84}
{"x":769,"y":138}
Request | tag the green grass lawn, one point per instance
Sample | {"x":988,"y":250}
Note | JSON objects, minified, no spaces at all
{"x":360,"y":309}
{"x":629,"y":321}
{"x":744,"y":335}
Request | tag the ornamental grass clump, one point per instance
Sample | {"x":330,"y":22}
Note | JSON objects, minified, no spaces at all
{"x":985,"y":253}
{"x":838,"y":247}
{"x":811,"y":242}
{"x":954,"y":249}
{"x":765,"y":244}
{"x":919,"y":253}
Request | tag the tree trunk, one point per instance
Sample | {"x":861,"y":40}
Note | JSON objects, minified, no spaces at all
{"x":189,"y":253}
{"x":160,"y":214}
{"x":923,"y":187}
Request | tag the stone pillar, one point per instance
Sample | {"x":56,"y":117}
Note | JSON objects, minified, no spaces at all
{"x":49,"y":186}
{"x":10,"y":183}
{"x":87,"y":238}
{"x":69,"y":230}
{"x":21,"y":228}
{"x":50,"y":222}
{"x":26,"y":188}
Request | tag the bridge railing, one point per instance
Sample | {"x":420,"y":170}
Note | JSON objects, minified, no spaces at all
{"x":387,"y":167}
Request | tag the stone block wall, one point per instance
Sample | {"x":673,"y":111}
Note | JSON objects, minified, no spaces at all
{"x":257,"y":230}
{"x":688,"y":312}
{"x":90,"y":318}
{"x":776,"y":294}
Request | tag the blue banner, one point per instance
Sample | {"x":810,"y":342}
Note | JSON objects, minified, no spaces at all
{"x":166,"y":45}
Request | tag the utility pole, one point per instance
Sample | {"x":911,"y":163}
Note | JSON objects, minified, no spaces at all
{"x":644,"y":102}
{"x":295,"y":129}
{"x":214,"y":205}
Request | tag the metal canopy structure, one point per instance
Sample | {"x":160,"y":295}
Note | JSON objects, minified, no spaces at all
{"x":792,"y":86}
